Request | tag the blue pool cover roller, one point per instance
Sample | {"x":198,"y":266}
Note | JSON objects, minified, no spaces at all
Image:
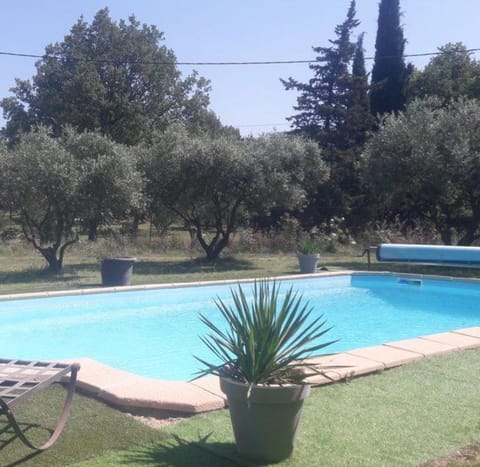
{"x":429,"y":254}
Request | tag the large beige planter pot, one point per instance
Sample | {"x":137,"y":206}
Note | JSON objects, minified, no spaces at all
{"x":265,"y":425}
{"x":308,"y":263}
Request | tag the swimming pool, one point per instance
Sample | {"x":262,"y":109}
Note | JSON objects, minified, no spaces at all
{"x":155,"y":332}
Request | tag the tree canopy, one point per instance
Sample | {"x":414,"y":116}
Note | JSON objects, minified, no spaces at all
{"x":111,"y":185}
{"x":116,"y":78}
{"x":214,"y":183}
{"x":424,"y":165}
{"x":450,"y":75}
{"x":39,"y":183}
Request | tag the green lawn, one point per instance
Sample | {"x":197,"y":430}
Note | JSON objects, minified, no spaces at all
{"x":23,"y":270}
{"x":400,"y":417}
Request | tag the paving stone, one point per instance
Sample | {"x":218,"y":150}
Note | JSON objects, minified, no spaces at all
{"x":388,"y":356}
{"x":474,"y":331}
{"x":461,"y":341}
{"x":344,"y":365}
{"x":422,"y":346}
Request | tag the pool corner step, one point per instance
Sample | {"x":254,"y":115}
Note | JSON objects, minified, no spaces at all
{"x":129,"y":391}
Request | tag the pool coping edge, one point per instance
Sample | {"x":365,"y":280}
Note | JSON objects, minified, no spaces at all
{"x":130,"y":392}
{"x":171,"y":285}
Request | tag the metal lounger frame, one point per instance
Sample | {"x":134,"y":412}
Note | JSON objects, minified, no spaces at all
{"x":21,"y":379}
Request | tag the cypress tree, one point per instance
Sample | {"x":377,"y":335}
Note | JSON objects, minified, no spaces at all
{"x":359,"y":119}
{"x":389,"y":73}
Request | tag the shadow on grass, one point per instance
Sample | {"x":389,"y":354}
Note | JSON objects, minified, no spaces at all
{"x":35,"y":275}
{"x":191,"y":266}
{"x":8,"y":435}
{"x":78,"y":272}
{"x":183,"y":453}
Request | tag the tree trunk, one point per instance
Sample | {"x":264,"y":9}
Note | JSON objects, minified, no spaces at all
{"x":446,"y":236}
{"x":217,"y":247}
{"x":135,"y":225}
{"x":54,"y":264}
{"x":92,"y":230}
{"x":468,"y":237}
{"x":213,"y":249}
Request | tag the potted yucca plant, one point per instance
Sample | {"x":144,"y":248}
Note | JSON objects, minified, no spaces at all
{"x":261,"y":365}
{"x":308,"y":256}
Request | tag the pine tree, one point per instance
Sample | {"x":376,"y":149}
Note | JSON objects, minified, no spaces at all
{"x":323,"y":103}
{"x":389,"y":73}
{"x":333,"y":110}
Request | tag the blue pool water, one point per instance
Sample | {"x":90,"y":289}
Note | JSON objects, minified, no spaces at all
{"x":154,"y":333}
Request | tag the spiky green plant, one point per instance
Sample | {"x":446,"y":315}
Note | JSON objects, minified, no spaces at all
{"x":308,"y":246}
{"x":266,"y":340}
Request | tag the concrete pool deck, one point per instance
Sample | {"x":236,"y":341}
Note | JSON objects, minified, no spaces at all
{"x":132,"y":392}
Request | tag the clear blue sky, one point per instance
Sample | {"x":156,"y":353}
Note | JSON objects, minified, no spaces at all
{"x":249,"y":97}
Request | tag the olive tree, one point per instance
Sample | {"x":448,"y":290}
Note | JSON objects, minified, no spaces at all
{"x":451,"y":74}
{"x":111,"y":186}
{"x":215,"y":183}
{"x":54,"y":187}
{"x":424,"y":165}
{"x":40,"y":180}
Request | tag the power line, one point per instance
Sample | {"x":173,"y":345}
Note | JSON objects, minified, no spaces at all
{"x":220,"y":63}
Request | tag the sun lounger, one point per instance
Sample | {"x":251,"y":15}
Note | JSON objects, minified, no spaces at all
{"x":20,"y":379}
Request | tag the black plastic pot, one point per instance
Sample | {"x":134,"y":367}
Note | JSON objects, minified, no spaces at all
{"x":117,"y":271}
{"x":265,"y":424}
